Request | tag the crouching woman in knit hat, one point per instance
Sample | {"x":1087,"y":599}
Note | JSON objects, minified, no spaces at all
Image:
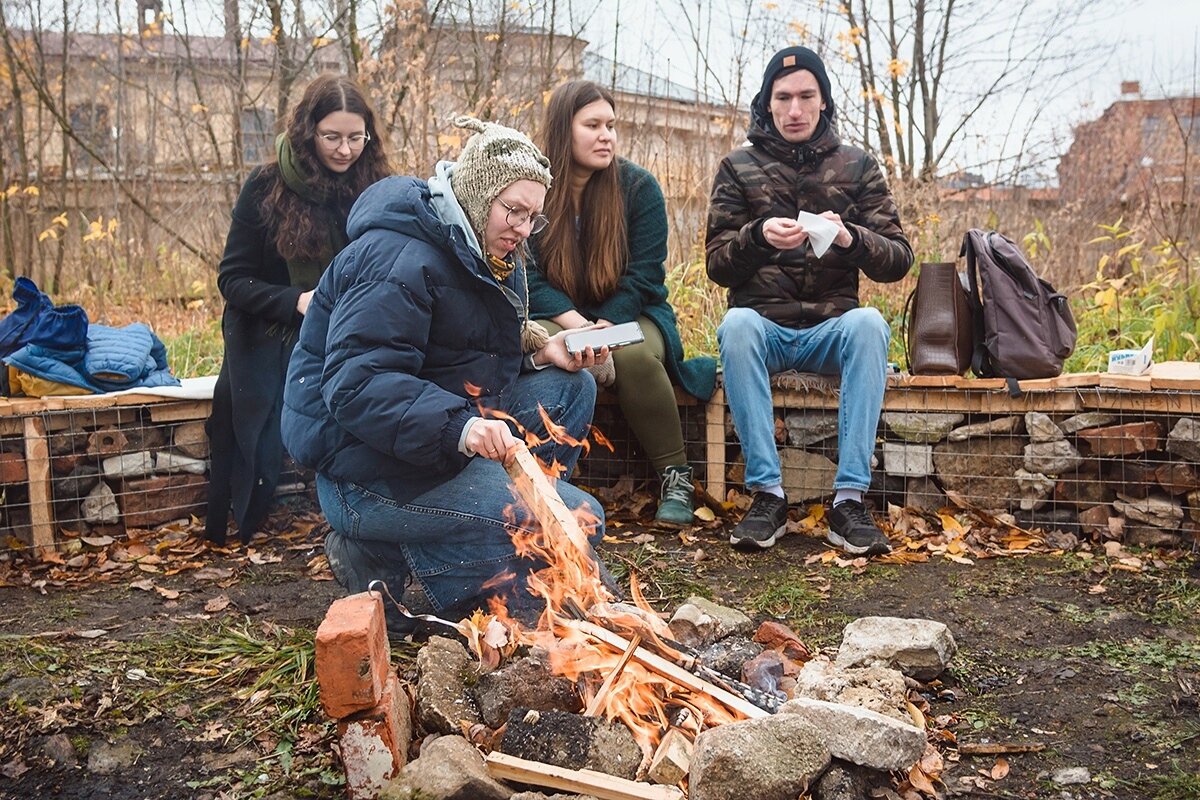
{"x":421,"y":322}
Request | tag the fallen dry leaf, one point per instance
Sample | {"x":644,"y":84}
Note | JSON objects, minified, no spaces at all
{"x":97,"y":541}
{"x":169,"y":594}
{"x":145,"y":585}
{"x":218,"y":603}
{"x":1000,"y":769}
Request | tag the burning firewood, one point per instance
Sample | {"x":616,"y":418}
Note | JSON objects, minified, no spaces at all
{"x":584,"y":781}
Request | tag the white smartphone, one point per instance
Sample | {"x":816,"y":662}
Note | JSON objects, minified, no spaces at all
{"x":611,"y":337}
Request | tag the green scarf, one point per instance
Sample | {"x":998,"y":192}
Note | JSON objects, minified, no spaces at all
{"x":305,"y":273}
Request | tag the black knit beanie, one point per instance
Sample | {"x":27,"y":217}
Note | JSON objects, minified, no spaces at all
{"x":785,"y":62}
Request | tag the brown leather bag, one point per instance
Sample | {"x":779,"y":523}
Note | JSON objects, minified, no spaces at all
{"x":940,"y":335}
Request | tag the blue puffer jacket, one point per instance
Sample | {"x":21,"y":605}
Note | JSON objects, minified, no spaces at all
{"x":403,"y":320}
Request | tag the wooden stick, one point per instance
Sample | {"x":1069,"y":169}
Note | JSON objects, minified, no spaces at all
{"x":37,"y":462}
{"x":533,"y":487}
{"x":582,"y":781}
{"x":999,"y":748}
{"x":602,"y":694}
{"x":672,"y":672}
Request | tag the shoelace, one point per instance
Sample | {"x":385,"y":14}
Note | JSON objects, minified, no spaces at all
{"x":856,"y":513}
{"x":677,"y":487}
{"x":765,"y":507}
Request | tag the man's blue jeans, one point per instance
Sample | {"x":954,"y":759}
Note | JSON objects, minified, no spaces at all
{"x":453,"y":541}
{"x":854,"y":346}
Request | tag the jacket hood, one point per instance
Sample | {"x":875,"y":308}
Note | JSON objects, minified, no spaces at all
{"x":405,"y":205}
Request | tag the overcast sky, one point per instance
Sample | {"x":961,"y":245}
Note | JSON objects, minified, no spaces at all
{"x":1155,"y":42}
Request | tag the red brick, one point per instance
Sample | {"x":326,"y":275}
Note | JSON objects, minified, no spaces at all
{"x":147,"y":502}
{"x":1122,"y":440}
{"x":1094,"y":520}
{"x":1178,"y":478}
{"x":374,"y":743}
{"x":353,"y":658}
{"x":12,"y":468}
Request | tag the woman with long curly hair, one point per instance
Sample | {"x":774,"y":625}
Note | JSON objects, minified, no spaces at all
{"x":288,"y":224}
{"x":600,"y":260}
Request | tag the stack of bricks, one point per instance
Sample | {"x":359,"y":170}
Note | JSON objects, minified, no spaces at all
{"x":361,"y":691}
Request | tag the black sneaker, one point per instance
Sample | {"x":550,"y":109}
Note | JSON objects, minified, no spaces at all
{"x":852,"y":529}
{"x":765,"y":520}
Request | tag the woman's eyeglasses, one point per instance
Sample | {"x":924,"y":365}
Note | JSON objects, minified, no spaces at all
{"x":333,"y":141}
{"x":517,"y":217}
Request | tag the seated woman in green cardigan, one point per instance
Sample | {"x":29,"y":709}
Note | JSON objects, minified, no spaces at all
{"x":601,"y":260}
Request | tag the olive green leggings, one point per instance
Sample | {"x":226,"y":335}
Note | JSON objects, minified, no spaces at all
{"x":645,"y":395}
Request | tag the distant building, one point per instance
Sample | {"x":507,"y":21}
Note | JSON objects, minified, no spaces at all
{"x":1138,"y":151}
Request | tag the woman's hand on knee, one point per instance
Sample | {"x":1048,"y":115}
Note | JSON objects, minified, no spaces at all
{"x":491,"y":439}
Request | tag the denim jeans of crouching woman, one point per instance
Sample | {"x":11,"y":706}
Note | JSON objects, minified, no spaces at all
{"x":447,"y":544}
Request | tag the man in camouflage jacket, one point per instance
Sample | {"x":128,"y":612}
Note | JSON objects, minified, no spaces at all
{"x":789,"y":308}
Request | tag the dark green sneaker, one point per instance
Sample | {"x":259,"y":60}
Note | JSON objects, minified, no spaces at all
{"x":677,"y":501}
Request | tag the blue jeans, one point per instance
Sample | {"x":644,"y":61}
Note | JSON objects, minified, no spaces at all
{"x":453,"y":541}
{"x":854,"y":346}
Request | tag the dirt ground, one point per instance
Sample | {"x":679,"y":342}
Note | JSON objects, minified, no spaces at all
{"x":179,"y":670}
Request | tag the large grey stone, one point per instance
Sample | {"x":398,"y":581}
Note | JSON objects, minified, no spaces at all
{"x":166,"y":461}
{"x":806,"y":476}
{"x":861,"y":736}
{"x":1155,"y":510}
{"x":106,"y":758}
{"x":921,"y":428}
{"x":1088,"y":419}
{"x":909,"y":460}
{"x":525,"y":683}
{"x":1041,"y":428}
{"x":999,"y":427}
{"x":809,"y":427}
{"x":770,"y":758}
{"x":880,"y":689}
{"x":1184,"y":439}
{"x":699,"y":622}
{"x":920,"y":648}
{"x":572,"y":741}
{"x":100,"y":506}
{"x":128,"y":465}
{"x":444,"y":668}
{"x":449,"y":768}
{"x":1035,"y":489}
{"x":1052,"y":458}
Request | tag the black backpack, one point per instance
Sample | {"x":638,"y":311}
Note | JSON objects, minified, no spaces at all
{"x":1023,"y":327}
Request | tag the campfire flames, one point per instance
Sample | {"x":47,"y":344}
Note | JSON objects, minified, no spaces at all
{"x":611,"y":682}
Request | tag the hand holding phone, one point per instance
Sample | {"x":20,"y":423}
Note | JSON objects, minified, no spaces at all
{"x":612,"y":337}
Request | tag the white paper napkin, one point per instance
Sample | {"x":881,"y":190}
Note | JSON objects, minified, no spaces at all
{"x":821,"y":231}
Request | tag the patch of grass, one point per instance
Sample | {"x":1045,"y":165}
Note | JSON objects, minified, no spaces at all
{"x":983,"y":718}
{"x":666,"y":578}
{"x":1139,"y":694}
{"x":196,"y":352}
{"x":785,"y":596}
{"x":1177,"y":604}
{"x":1137,"y":656}
{"x":1178,"y":784}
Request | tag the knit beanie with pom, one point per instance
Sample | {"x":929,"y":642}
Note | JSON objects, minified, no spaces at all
{"x":494,"y":157}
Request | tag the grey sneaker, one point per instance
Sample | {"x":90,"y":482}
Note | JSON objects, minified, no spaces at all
{"x":852,"y":529}
{"x":765,"y":520}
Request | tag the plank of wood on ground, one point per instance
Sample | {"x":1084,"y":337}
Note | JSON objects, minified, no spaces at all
{"x":581,"y":781}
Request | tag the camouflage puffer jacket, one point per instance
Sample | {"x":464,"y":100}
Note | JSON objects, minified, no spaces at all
{"x":771,"y":177}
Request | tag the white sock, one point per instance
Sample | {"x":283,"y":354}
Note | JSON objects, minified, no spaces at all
{"x":776,"y":490}
{"x":842,"y":495}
